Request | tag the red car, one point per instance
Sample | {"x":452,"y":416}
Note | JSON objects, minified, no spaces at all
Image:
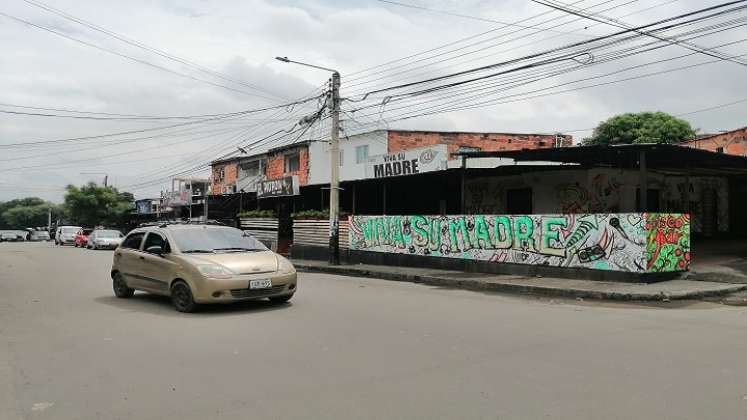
{"x":81,"y":238}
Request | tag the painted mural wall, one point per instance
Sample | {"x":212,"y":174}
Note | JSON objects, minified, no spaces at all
{"x":605,"y":191}
{"x":632,"y":242}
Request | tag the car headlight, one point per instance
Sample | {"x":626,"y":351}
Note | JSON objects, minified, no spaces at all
{"x":215,"y":271}
{"x":285,"y":266}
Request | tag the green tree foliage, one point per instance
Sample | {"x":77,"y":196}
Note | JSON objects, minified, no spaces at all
{"x":92,"y":205}
{"x":643,"y":127}
{"x":26,"y":212}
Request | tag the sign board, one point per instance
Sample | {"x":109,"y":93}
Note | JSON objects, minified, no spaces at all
{"x":408,"y":162}
{"x":280,"y":187}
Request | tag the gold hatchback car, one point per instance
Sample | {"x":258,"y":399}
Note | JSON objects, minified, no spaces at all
{"x":200,"y":263}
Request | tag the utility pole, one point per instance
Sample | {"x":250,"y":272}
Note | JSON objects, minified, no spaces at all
{"x":334,"y":184}
{"x":334,"y":160}
{"x":49,"y":219}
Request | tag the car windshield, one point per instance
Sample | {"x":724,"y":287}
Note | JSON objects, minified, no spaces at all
{"x":108,"y":234}
{"x":70,"y":230}
{"x":213,"y":239}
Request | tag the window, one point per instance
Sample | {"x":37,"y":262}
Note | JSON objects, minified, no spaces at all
{"x":361,"y":154}
{"x":467,"y":149}
{"x":720,"y":150}
{"x":133,"y":240}
{"x":292,"y":163}
{"x":519,"y":201}
{"x":253,"y":168}
{"x":155,"y":239}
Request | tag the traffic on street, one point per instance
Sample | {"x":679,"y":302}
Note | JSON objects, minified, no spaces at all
{"x":347,"y":347}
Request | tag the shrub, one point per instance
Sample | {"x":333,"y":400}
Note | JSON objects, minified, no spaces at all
{"x":258,"y":214}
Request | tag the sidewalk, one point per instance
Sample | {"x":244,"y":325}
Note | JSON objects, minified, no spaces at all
{"x":588,"y":289}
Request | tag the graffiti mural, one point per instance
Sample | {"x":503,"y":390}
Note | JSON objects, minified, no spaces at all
{"x":668,"y":242}
{"x":603,"y":241}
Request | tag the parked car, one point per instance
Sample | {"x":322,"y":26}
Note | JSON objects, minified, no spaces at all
{"x":200,"y":263}
{"x":104,"y":239}
{"x":39,"y":235}
{"x":66,"y":235}
{"x":81,"y":238}
{"x":11,"y":237}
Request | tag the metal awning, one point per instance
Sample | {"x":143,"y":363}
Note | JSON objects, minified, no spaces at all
{"x":659,"y":157}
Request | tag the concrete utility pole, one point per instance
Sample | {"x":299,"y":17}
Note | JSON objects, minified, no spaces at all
{"x":334,"y":161}
{"x":334,"y":183}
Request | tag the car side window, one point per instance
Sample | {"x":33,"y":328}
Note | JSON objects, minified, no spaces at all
{"x":133,"y":241}
{"x":154,"y":239}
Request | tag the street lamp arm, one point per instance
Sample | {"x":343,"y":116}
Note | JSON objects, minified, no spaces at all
{"x":288,"y":60}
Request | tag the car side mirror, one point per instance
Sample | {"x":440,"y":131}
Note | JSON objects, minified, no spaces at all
{"x":154,"y":250}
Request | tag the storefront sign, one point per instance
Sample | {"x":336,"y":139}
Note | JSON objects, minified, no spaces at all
{"x":281,"y":187}
{"x":408,"y":162}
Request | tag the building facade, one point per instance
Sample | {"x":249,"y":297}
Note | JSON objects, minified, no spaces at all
{"x":732,"y":142}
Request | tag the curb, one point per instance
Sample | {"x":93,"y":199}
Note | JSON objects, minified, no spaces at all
{"x":524,"y":289}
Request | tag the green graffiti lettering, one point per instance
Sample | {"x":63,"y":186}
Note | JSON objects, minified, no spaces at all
{"x":502,"y":233}
{"x":523,"y":231}
{"x":368,"y":232}
{"x":419,"y":235}
{"x":435,"y":236}
{"x":396,"y":229}
{"x":481,"y":233}
{"x":550,"y":232}
{"x":455,"y":225}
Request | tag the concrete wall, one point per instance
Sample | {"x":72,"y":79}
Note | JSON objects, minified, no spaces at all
{"x":602,"y":190}
{"x":627,"y":242}
{"x":349,"y":170}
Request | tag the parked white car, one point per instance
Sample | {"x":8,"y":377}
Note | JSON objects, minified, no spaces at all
{"x":66,"y":235}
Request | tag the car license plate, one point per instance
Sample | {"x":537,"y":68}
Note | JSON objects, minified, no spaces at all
{"x":260,"y":284}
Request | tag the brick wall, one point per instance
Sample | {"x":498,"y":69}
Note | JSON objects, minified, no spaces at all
{"x":487,"y":142}
{"x":276,"y":164}
{"x":223,"y":175}
{"x":733,"y":142}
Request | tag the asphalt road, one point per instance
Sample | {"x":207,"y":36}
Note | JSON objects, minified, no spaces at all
{"x":349,"y":348}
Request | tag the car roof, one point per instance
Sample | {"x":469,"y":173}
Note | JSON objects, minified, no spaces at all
{"x":179,"y":226}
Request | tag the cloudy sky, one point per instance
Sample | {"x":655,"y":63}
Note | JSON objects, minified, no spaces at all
{"x":227,"y":51}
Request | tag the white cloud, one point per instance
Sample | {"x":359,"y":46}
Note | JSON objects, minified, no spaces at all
{"x":241,"y":38}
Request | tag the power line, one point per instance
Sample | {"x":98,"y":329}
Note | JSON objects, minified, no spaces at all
{"x":613,"y":22}
{"x":560,"y":49}
{"x":65,"y":140}
{"x":146,"y":47}
{"x":531,"y":43}
{"x":459,"y":15}
{"x":147,"y":63}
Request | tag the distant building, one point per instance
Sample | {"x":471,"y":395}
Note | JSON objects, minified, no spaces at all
{"x":731,"y":142}
{"x":364,"y":156}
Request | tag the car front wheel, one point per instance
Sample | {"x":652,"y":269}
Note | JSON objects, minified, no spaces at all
{"x":120,"y":287}
{"x":181,"y":297}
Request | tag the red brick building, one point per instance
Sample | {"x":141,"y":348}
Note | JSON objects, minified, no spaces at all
{"x":732,"y":142}
{"x":399,"y":140}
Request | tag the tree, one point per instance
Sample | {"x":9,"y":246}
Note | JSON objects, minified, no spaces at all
{"x":92,"y":205}
{"x":26,"y":212}
{"x":643,"y":127}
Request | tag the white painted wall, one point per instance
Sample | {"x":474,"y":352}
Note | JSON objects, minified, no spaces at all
{"x":349,"y":170}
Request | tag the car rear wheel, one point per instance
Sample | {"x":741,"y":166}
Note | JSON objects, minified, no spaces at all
{"x":280,"y":299}
{"x":120,"y":287}
{"x":181,"y":297}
